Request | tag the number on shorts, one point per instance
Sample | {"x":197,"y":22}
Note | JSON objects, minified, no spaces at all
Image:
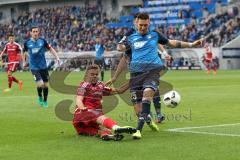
{"x":134,"y":95}
{"x":34,"y":77}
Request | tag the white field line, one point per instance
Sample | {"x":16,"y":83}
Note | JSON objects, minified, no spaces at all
{"x":189,"y":130}
{"x":208,"y":133}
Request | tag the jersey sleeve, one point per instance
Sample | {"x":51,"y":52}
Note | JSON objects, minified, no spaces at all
{"x":46,"y":45}
{"x":162,"y":39}
{"x":20,"y":50}
{"x":128,"y":53}
{"x":82,"y":89}
{"x":124,"y":40}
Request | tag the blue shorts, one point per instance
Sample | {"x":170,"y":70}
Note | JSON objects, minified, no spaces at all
{"x":100,"y":63}
{"x":40,"y":75}
{"x":140,"y":81}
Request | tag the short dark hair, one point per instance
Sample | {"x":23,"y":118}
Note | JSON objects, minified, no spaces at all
{"x":11,"y":35}
{"x":33,"y":27}
{"x":135,"y":15}
{"x":143,"y":16}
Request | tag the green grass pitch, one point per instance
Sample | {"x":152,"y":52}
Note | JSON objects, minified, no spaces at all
{"x":28,"y":131}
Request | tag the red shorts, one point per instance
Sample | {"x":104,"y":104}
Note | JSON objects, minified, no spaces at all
{"x":208,"y":61}
{"x":85,"y":122}
{"x":12,"y":67}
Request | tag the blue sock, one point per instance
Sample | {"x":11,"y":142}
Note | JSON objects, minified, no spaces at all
{"x":157,"y":105}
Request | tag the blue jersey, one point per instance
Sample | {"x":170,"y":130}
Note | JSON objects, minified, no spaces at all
{"x":99,"y":49}
{"x":144,"y":50}
{"x":36,"y":51}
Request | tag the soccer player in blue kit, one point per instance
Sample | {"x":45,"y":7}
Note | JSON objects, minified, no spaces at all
{"x":125,"y":60}
{"x":99,"y":59}
{"x":36,"y":48}
{"x":145,"y":63}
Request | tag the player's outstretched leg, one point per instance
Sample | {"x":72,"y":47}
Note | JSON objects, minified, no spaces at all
{"x":144,"y":117}
{"x":157,"y":104}
{"x":106,"y":135}
{"x":111,"y":137}
{"x":110,"y":124}
{"x":125,"y":129}
{"x":115,"y":137}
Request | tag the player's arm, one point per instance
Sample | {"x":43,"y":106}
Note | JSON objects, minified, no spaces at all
{"x":177,"y":44}
{"x":121,"y":66}
{"x":123,"y":45}
{"x":52,"y":50}
{"x":121,"y":48}
{"x":163,"y":51}
{"x":181,"y":44}
{"x":81,"y":93}
{"x":121,"y":89}
{"x":20,"y":49}
{"x":79,"y":102}
{"x":24,"y":57}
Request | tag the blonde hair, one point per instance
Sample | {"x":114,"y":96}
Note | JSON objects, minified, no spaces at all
{"x":90,"y":67}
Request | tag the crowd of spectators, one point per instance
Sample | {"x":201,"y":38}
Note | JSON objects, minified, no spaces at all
{"x":75,"y":28}
{"x":220,"y":28}
{"x":66,"y":28}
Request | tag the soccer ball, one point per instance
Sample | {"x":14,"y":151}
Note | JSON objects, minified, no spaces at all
{"x":171,"y":99}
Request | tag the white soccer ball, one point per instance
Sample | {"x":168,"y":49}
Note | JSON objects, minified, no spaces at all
{"x":171,"y":99}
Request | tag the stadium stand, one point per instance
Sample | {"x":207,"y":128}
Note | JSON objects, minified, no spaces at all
{"x":77,"y":26}
{"x":75,"y":30}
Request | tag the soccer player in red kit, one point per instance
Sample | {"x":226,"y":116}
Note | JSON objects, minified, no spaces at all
{"x":89,"y":118}
{"x":208,"y":57}
{"x":13,"y":51}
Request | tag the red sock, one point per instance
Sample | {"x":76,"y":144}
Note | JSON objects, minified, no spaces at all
{"x":10,"y":79}
{"x":15,"y":80}
{"x":109,"y":123}
{"x":104,"y":132}
{"x":215,"y":69}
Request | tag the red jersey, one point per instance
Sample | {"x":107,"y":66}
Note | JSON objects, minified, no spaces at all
{"x":93,"y":94}
{"x":13,"y":51}
{"x":209,"y":56}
